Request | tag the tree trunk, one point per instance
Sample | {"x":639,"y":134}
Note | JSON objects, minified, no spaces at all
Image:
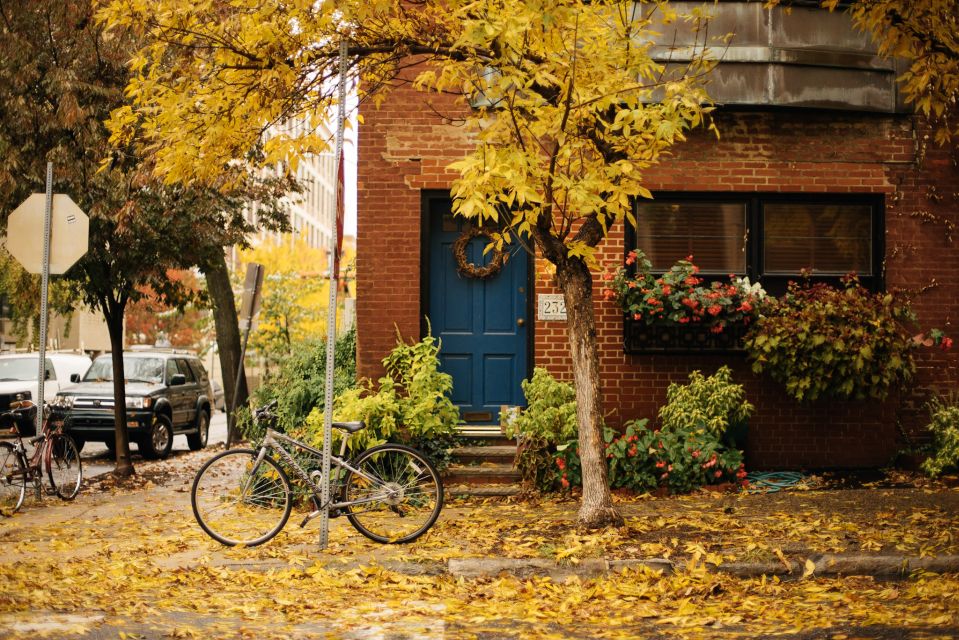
{"x":227,"y":334}
{"x":114,"y":318}
{"x":576,"y":283}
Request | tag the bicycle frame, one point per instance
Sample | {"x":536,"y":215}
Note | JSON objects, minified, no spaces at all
{"x":274,"y":442}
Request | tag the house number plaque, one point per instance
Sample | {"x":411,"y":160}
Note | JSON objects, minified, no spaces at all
{"x":550,"y":306}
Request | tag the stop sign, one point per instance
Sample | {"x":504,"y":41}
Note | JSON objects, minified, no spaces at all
{"x":69,"y":233}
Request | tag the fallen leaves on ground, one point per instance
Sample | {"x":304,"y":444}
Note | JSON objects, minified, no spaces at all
{"x":139,"y":562}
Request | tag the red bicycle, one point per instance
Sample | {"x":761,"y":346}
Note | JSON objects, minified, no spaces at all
{"x":54,"y":452}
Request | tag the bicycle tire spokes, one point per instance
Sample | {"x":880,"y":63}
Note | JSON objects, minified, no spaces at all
{"x":239,"y":501}
{"x":395,"y":497}
{"x":13,"y":480}
{"x":64,"y":468}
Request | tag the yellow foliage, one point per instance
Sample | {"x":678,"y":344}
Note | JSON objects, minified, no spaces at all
{"x":295,"y":294}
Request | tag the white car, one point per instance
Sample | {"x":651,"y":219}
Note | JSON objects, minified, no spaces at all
{"x":18,"y":378}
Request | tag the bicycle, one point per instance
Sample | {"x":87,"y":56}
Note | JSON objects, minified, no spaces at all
{"x":390,"y":493}
{"x":55,"y":452}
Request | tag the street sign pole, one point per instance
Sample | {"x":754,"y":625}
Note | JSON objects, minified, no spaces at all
{"x":44,"y":294}
{"x":331,"y":320}
{"x":250,"y":306}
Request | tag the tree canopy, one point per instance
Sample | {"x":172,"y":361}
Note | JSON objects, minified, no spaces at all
{"x":567,"y":106}
{"x":63,"y":74}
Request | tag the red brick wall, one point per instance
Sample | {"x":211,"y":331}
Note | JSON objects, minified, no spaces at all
{"x":405,"y":146}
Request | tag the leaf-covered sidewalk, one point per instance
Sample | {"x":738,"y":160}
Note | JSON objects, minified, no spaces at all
{"x":133,"y":561}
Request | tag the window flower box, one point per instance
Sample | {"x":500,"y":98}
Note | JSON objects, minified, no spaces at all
{"x":680,"y":310}
{"x":641,"y":337}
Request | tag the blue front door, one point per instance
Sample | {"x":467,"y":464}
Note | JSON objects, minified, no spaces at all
{"x":482,"y":322}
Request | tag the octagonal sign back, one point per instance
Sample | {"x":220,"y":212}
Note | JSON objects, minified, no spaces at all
{"x":69,"y":233}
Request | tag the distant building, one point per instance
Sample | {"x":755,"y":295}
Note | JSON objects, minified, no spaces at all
{"x":312,"y":213}
{"x":85,"y":330}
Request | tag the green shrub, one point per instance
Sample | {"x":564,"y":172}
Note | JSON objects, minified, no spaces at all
{"x":944,"y":425}
{"x":548,"y":421}
{"x":821,"y":341}
{"x":299,"y":386}
{"x":686,"y":453}
{"x":550,"y":411}
{"x":681,"y":459}
{"x":411,"y":404}
{"x":715,"y":403}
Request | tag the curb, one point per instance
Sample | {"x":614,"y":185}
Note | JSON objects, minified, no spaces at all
{"x":884,"y":566}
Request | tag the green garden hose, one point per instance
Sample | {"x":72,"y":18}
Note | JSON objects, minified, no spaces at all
{"x":772,"y":481}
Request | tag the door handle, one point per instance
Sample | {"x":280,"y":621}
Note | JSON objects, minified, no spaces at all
{"x":520,"y":322}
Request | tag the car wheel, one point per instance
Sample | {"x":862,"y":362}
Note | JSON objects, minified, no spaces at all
{"x":198,"y":440}
{"x":159,"y":441}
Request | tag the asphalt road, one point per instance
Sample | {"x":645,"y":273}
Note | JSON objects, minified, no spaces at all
{"x":97,"y":459}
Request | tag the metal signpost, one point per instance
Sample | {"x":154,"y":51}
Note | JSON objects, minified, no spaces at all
{"x":331,"y":321}
{"x":249,"y":307}
{"x":65,"y":232}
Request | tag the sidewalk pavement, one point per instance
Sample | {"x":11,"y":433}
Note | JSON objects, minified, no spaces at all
{"x":887,"y":529}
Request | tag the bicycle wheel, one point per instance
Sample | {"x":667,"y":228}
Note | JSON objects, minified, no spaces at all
{"x":13,"y":480}
{"x":397,"y":496}
{"x":239,"y":502}
{"x":63,"y":466}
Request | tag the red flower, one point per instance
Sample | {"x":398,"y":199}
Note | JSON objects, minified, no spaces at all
{"x":660,"y":464}
{"x":716,"y":328}
{"x":696,"y":453}
{"x":745,"y":307}
{"x":667,"y":289}
{"x":560,"y":463}
{"x":714,"y":310}
{"x":631,"y":284}
{"x":630,"y":257}
{"x":609,"y":294}
{"x":632,"y":451}
{"x":564,"y":482}
{"x":946,"y":344}
{"x":683,"y":320}
{"x":718,"y":474}
{"x":689,"y":258}
{"x":607,"y":276}
{"x":637,"y":316}
{"x":692,"y":281}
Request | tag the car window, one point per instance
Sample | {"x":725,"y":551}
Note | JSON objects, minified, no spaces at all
{"x":198,"y":371}
{"x":135,"y":369}
{"x":22,"y":369}
{"x":171,"y":370}
{"x":51,"y":374}
{"x":186,"y":371}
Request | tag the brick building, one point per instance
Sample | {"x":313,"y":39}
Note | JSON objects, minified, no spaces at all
{"x":815,"y":142}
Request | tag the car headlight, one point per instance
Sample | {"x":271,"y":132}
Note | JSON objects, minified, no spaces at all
{"x":140,"y":402}
{"x":63,"y":402}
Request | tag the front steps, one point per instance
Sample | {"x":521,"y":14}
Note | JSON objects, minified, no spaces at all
{"x":485,"y":470}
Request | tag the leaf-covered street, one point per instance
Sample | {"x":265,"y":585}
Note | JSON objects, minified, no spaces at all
{"x":131,"y":562}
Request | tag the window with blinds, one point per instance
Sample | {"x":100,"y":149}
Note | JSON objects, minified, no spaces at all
{"x":772,"y":237}
{"x":714,"y":233}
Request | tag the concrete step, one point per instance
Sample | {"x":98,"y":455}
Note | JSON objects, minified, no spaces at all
{"x":483,"y":491}
{"x":503,"y":454}
{"x":484,"y":473}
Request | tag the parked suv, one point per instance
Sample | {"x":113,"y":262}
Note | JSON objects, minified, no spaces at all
{"x":167,"y":393}
{"x":18,"y":380}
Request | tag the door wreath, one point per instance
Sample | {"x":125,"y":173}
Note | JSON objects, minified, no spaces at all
{"x":469,"y":269}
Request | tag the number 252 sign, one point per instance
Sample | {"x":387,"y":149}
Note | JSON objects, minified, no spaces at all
{"x":550,"y":306}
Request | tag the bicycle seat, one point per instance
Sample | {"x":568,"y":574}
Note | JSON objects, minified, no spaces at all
{"x":350,"y":427}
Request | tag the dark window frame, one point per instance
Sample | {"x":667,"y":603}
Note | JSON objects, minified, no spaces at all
{"x":776,"y":283}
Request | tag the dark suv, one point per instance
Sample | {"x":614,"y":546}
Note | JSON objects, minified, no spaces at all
{"x":167,"y":393}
